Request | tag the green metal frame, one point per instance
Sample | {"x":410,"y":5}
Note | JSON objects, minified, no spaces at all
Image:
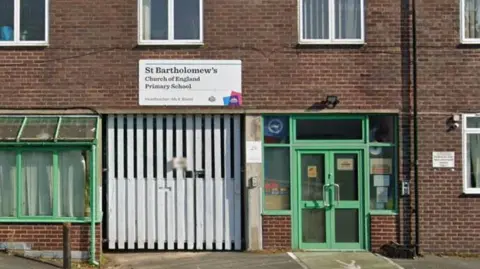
{"x":329,"y":162}
{"x":55,"y":147}
{"x":361,"y":145}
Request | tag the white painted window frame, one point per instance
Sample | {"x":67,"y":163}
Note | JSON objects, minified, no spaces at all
{"x":463,"y":39}
{"x":466,"y":131}
{"x":170,"y":40}
{"x":16,"y":31}
{"x":331,"y":19}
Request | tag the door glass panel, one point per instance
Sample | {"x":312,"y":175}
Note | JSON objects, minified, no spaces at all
{"x":313,"y":176}
{"x":313,"y":226}
{"x":316,"y":129}
{"x":346,"y":176}
{"x":346,"y":226}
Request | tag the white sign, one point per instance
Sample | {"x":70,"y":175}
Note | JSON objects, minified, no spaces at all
{"x":190,"y":82}
{"x":443,"y":159}
{"x":254,"y":152}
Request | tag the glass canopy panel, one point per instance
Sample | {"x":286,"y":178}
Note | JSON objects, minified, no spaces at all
{"x":39,"y":129}
{"x":9,"y":127}
{"x":77,"y":128}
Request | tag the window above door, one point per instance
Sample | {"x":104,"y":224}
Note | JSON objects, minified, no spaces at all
{"x":170,"y":22}
{"x":331,"y":21}
{"x":24,"y":22}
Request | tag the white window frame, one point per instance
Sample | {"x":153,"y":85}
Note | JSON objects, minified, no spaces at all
{"x":16,"y":31}
{"x":170,"y":40}
{"x":331,"y":19}
{"x":466,"y":131}
{"x":463,"y":39}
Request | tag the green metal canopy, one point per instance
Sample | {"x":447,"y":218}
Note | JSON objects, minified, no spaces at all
{"x":35,"y":128}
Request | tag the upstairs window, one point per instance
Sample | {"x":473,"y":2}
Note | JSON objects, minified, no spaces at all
{"x":470,"y":21}
{"x":23,"y":22}
{"x":331,"y":21}
{"x":170,"y":22}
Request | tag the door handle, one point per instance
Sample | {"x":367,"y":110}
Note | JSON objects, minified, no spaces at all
{"x":325,"y":195}
{"x":337,"y":197}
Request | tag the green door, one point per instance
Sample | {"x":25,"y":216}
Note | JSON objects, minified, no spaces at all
{"x":330,"y":185}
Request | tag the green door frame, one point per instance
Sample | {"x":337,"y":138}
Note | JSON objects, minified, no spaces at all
{"x":329,"y":152}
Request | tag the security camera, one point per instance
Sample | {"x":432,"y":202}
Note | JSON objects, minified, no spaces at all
{"x":456,"y":125}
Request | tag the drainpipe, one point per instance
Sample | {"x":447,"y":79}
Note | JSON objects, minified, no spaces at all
{"x":93,"y":212}
{"x":415,"y":128}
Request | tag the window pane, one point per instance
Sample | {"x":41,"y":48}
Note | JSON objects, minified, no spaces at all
{"x":348,"y":19}
{"x":39,"y":129}
{"x":37,"y":180}
{"x":329,"y":129}
{"x":187,"y":19}
{"x":77,"y":129}
{"x":6,"y":20}
{"x":74,"y":187}
{"x":277,"y":178}
{"x":32,"y":20}
{"x":473,"y":122}
{"x":276,"y":129}
{"x":346,"y":176}
{"x":155,"y":19}
{"x":382,"y":129}
{"x":472,"y":18}
{"x":9,"y":127}
{"x":473,"y":160}
{"x":346,"y":226}
{"x":315,"y":19}
{"x":8,"y":177}
{"x":382,"y":178}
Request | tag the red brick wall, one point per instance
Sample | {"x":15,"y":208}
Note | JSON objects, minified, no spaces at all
{"x":449,"y":220}
{"x":383,"y":229}
{"x":49,"y":237}
{"x":448,"y":83}
{"x":277,"y":232}
{"x":92,"y":58}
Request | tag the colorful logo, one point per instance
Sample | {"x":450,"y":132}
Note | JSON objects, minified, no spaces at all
{"x":235,"y":99}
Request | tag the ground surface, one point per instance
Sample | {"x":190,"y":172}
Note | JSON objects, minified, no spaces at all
{"x":434,"y":262}
{"x":244,"y":260}
{"x":12,"y":262}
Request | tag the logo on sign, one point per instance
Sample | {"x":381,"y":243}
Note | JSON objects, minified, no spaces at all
{"x":275,"y":126}
{"x":233,"y":100}
{"x":212,"y":99}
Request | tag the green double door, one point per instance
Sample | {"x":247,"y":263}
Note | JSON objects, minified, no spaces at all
{"x":330,"y":205}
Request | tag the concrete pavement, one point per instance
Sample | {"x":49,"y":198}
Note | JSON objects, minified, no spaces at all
{"x":344,"y":260}
{"x":435,"y":262}
{"x":202,"y":260}
{"x":12,"y":262}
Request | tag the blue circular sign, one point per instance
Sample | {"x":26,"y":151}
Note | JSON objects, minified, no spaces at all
{"x":275,"y":126}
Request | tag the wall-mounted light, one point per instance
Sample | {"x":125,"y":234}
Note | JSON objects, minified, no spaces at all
{"x":332,"y":101}
{"x":453,"y":122}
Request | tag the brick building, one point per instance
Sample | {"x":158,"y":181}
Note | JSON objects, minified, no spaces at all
{"x":231,"y":124}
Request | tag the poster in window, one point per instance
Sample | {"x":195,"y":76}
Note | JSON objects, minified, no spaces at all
{"x":312,"y":171}
{"x":345,"y":164}
{"x":380,"y":166}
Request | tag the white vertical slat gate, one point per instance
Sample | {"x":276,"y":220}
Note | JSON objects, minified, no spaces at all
{"x":153,"y":206}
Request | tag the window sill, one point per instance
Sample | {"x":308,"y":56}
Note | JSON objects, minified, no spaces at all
{"x":276,"y":213}
{"x":331,"y":42}
{"x":383,"y":213}
{"x":23,"y":44}
{"x":475,"y":191}
{"x":472,"y":41}
{"x":171,"y":43}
